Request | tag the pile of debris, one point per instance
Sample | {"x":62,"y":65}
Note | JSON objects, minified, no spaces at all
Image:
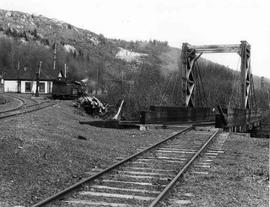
{"x":92,"y":106}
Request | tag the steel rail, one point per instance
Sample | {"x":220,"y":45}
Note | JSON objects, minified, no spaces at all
{"x":25,"y":112}
{"x":17,"y":107}
{"x":37,"y":103}
{"x":23,"y":105}
{"x":186,"y":166}
{"x":80,"y":183}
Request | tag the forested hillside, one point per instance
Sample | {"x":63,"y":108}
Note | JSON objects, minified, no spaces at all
{"x":141,"y":72}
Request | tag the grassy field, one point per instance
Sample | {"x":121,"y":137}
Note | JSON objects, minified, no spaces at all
{"x":2,"y":100}
{"x":41,"y":154}
{"x":7,"y":103}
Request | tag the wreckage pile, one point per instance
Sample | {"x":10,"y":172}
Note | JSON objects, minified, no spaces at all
{"x":92,"y":106}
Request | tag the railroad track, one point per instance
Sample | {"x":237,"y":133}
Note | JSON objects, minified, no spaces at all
{"x":21,"y":103}
{"x":26,"y":107}
{"x":142,"y":179}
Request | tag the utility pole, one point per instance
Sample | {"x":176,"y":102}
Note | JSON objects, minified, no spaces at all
{"x":18,"y":74}
{"x":122,"y":82}
{"x":37,"y":79}
{"x":2,"y":89}
{"x":97,"y":82}
{"x":54,"y":56}
{"x":268,"y":98}
{"x":262,"y":83}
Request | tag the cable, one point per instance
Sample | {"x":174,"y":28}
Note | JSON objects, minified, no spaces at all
{"x":234,"y":84}
{"x":197,"y":83}
{"x":174,"y":86}
{"x":164,"y":93}
{"x":203,"y":91}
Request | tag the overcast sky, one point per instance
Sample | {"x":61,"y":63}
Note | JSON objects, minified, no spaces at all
{"x":175,"y":21}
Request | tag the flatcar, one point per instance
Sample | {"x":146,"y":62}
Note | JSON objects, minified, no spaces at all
{"x":64,"y":89}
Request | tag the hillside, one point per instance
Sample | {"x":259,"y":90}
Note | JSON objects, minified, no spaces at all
{"x":150,"y":69}
{"x":28,"y":39}
{"x":27,"y":27}
{"x":44,"y":31}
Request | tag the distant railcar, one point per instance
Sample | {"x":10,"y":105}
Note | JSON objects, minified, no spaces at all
{"x":63,"y":89}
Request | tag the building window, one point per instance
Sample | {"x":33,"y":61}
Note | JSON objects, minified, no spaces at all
{"x":27,"y":86}
{"x":41,"y":87}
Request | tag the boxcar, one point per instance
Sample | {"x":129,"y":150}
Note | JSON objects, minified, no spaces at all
{"x":63,"y":89}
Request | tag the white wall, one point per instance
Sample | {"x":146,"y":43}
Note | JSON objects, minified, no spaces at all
{"x":10,"y":86}
{"x":23,"y":86}
{"x":48,"y":86}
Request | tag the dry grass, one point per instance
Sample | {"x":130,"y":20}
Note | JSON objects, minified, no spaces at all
{"x":7,"y":103}
{"x":41,"y":154}
{"x":239,"y":177}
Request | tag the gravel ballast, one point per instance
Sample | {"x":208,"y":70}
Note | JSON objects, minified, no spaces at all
{"x":238,"y":177}
{"x":46,"y":151}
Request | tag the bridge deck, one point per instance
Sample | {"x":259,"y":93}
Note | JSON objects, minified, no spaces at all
{"x":237,"y":119}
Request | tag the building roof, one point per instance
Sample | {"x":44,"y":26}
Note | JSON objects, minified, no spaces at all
{"x":28,"y":74}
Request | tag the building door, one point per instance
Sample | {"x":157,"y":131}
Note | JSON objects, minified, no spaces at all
{"x":41,"y":87}
{"x":28,"y":87}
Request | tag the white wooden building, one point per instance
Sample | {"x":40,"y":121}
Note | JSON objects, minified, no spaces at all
{"x":27,"y":86}
{"x":24,"y":81}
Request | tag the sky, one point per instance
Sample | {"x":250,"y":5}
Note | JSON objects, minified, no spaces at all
{"x":198,"y":22}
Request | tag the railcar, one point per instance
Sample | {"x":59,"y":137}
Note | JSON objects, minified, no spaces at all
{"x":63,"y":89}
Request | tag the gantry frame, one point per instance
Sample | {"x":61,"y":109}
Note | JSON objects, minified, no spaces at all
{"x":191,"y":53}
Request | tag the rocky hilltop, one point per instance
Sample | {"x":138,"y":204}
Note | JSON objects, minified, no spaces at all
{"x":45,"y":31}
{"x":26,"y":27}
